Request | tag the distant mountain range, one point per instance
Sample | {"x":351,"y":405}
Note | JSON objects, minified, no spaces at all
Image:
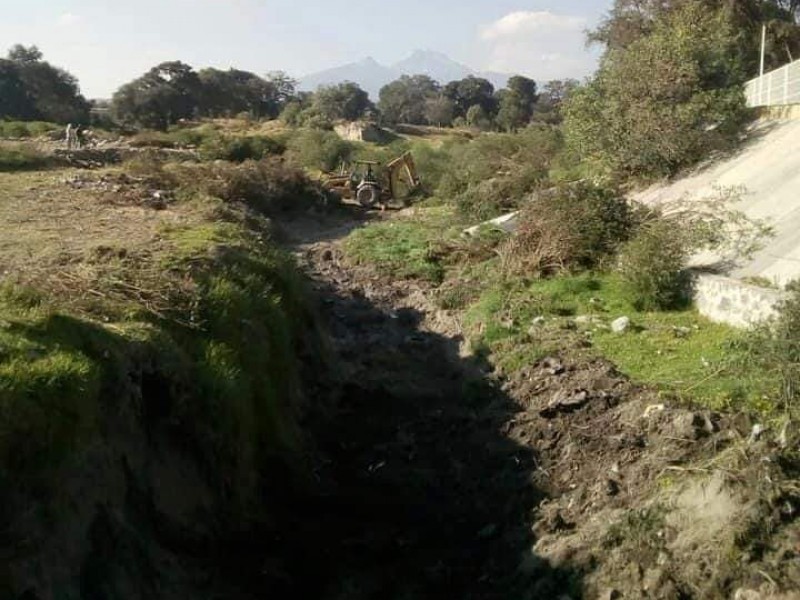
{"x":372,"y":76}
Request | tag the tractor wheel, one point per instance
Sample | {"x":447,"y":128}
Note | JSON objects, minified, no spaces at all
{"x":368,"y":195}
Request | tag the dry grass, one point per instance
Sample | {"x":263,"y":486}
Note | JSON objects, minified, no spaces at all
{"x":62,"y":236}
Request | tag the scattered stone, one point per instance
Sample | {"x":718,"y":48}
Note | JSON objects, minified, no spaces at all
{"x":681,"y":332}
{"x":565,"y":402}
{"x":691,"y":426}
{"x":621,"y":325}
{"x":653,"y":409}
{"x":784,"y":436}
{"x":539,"y":321}
{"x":584,"y":320}
{"x":756,"y":432}
{"x":553,"y":366}
{"x":743,"y":594}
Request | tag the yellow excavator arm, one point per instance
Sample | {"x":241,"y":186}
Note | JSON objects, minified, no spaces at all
{"x":402,"y":166}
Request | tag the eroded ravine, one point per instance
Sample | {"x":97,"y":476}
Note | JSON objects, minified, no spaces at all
{"x":426,"y":496}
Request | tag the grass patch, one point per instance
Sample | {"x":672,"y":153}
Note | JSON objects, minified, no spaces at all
{"x":219,"y":369}
{"x":405,"y":248}
{"x":26,"y":129}
{"x":21,"y":157}
{"x":679,"y":352}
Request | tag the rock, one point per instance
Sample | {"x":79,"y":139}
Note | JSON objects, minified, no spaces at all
{"x":756,"y":432}
{"x":653,"y":409}
{"x":621,"y":325}
{"x":785,"y":435}
{"x":553,"y":366}
{"x":565,"y":402}
{"x":691,"y":426}
{"x":653,"y":579}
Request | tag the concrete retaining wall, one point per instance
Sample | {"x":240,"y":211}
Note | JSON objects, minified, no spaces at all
{"x":726,"y":300}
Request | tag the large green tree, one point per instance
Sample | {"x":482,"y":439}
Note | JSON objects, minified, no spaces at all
{"x":31,"y":88}
{"x":629,"y":20}
{"x":664,"y":100}
{"x":516,"y":103}
{"x":227,"y":93}
{"x":15,"y":103}
{"x":404,"y":100}
{"x":165,"y":94}
{"x":343,"y":101}
{"x":470,"y":92}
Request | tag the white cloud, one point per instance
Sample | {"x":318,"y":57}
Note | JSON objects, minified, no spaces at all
{"x":531,"y":22}
{"x":540,"y":44}
{"x":69,"y":20}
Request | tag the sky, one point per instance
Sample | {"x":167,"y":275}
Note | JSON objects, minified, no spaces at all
{"x":106,"y":44}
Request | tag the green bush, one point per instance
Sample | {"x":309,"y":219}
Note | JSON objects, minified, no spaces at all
{"x":495,"y":172}
{"x":240,"y":149}
{"x":152,"y":139}
{"x":569,"y":227}
{"x":775,"y":348}
{"x":653,"y":265}
{"x":267,"y":186}
{"x":665,"y":100}
{"x":322,"y":150}
{"x":26,"y":129}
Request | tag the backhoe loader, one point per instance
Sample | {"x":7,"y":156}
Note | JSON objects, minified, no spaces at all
{"x":369,"y":184}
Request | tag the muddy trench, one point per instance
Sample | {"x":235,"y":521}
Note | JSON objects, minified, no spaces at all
{"x":420,"y":492}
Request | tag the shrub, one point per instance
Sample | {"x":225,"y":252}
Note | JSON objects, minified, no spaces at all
{"x":26,"y":129}
{"x":569,"y":227}
{"x":152,"y":139}
{"x":775,"y":348}
{"x":653,"y":267}
{"x":652,"y":263}
{"x":322,"y":150}
{"x":495,"y":172}
{"x":239,"y":149}
{"x":267,"y":185}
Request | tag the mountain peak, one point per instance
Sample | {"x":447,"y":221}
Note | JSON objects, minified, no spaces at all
{"x":372,"y":75}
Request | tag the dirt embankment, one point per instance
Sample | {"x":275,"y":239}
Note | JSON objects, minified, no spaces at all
{"x":565,"y":480}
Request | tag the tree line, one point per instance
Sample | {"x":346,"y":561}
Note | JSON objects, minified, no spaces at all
{"x":33,"y":89}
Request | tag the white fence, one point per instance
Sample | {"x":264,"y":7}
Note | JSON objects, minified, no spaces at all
{"x":776,"y":88}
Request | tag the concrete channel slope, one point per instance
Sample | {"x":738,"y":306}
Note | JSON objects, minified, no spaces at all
{"x":767,"y":167}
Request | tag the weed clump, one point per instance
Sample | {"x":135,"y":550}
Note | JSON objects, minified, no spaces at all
{"x":653,"y":266}
{"x":567,"y":228}
{"x":241,"y":148}
{"x":321,"y":150}
{"x":267,"y":186}
{"x":494,"y":173}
